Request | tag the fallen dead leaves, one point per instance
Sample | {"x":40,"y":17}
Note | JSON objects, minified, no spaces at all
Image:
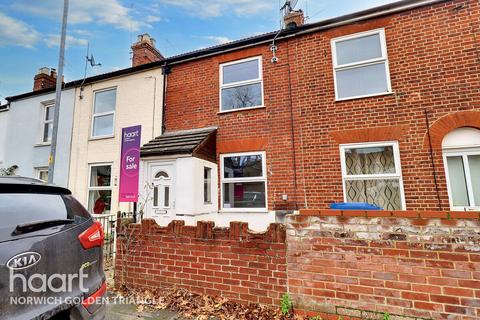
{"x":202,"y":307}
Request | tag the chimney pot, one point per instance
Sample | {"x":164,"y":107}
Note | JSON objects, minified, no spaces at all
{"x":294,"y":19}
{"x":144,"y":50}
{"x":46,"y":78}
{"x":44,"y":70}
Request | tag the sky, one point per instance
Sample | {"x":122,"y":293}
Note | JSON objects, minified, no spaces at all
{"x":30,"y":30}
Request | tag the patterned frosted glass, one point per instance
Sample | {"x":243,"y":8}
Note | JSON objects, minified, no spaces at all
{"x":372,"y":160}
{"x":383,"y":193}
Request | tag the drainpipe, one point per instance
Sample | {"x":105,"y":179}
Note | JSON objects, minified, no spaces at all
{"x":165,"y":71}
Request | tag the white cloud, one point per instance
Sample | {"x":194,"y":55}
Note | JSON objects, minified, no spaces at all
{"x":53,"y":40}
{"x":110,"y":12}
{"x":218,"y":39}
{"x":152,"y":19}
{"x":14,"y":32}
{"x":82,"y":32}
{"x":216,"y":8}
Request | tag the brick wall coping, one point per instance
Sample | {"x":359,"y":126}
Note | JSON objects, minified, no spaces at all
{"x":396,"y":214}
{"x":238,"y":231}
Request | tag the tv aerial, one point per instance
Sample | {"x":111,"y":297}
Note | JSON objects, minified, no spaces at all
{"x":88,"y":60}
{"x":289,"y":6}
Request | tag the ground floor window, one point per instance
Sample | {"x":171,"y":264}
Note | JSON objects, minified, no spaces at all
{"x":100,"y":188}
{"x":461,"y":155}
{"x":42,"y":174}
{"x":372,"y":174}
{"x":464,"y":179}
{"x":244,"y":182}
{"x":207,"y":185}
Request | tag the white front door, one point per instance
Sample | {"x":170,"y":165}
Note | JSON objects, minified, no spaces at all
{"x":162,"y":196}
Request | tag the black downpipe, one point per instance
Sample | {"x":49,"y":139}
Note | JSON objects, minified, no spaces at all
{"x":292,"y":128}
{"x":166,"y":71}
{"x":433,"y":160}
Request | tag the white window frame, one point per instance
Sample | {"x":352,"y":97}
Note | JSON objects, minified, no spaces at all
{"x":354,"y":65}
{"x":38,"y":172}
{"x":45,"y":122}
{"x":242,"y":83}
{"x":207,"y":181}
{"x":398,"y":167}
{"x":100,"y":188}
{"x":263,"y":179}
{"x":96,"y":115}
{"x":464,"y":153}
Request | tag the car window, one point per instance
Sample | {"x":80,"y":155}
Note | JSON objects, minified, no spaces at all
{"x":21,"y":208}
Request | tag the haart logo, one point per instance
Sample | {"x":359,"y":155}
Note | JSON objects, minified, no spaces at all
{"x":130,"y":135}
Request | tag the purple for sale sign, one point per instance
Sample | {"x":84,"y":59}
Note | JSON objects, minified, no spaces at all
{"x":130,"y":164}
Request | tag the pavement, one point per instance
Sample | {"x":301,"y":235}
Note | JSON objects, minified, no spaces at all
{"x":129,"y":312}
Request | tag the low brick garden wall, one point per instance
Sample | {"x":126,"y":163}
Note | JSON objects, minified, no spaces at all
{"x":230,"y":262}
{"x":349,"y":265}
{"x":364,"y":264}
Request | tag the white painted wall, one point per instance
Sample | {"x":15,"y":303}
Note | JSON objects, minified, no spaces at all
{"x":23,"y":136}
{"x":189,"y":201}
{"x":3,"y":134}
{"x":257,"y":221}
{"x":189,"y":187}
{"x":139,"y":102}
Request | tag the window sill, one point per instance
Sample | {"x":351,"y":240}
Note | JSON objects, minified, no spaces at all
{"x":240,"y":109}
{"x":101,"y":138}
{"x":364,"y":97}
{"x":42,"y":144}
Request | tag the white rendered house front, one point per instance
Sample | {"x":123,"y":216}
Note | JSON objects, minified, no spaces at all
{"x":179,"y":181}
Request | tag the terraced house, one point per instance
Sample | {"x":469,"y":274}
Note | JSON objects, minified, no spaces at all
{"x":379,"y":106}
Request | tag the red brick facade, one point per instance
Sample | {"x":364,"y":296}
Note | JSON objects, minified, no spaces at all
{"x":434,"y":60}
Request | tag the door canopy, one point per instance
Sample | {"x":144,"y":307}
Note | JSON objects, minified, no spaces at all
{"x":199,"y":143}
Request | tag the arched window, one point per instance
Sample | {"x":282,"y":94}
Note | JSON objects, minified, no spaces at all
{"x":161,"y":174}
{"x":461,"y":155}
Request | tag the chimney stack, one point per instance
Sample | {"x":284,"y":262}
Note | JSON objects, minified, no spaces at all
{"x":144,"y":51}
{"x":46,"y":78}
{"x":294,"y":19}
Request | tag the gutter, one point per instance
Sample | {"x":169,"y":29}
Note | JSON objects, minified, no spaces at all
{"x":5,"y":107}
{"x":77,"y":83}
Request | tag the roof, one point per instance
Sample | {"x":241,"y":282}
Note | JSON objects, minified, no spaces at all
{"x":375,"y":12}
{"x":89,"y":80}
{"x":29,"y":185}
{"x":178,"y":142}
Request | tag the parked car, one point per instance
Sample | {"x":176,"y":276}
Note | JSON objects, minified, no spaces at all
{"x":51,"y":264}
